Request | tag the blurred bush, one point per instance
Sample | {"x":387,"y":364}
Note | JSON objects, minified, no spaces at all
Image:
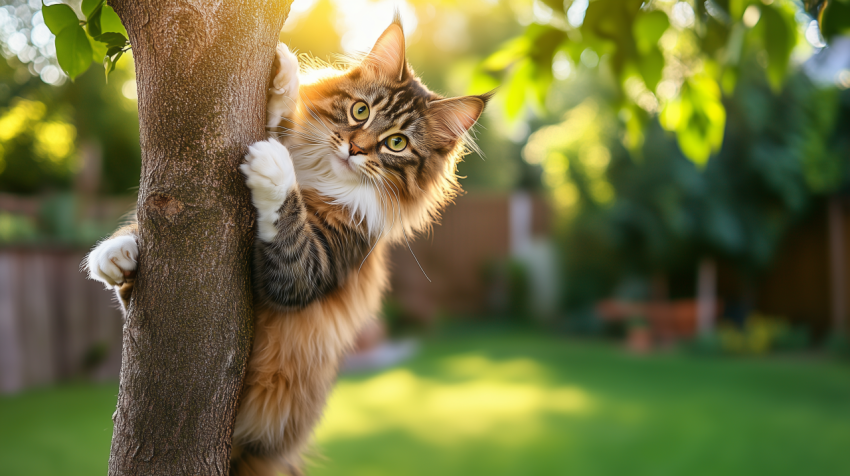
{"x":625,"y":213}
{"x":62,"y":218}
{"x":759,"y":335}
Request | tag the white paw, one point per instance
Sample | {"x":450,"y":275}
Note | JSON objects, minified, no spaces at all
{"x":113,"y":260}
{"x":286,"y":77}
{"x":284,"y":91}
{"x":270,"y":176}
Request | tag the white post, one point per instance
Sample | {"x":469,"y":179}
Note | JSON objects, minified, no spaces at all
{"x":706,"y":295}
{"x":520,"y":217}
{"x":838,"y":282}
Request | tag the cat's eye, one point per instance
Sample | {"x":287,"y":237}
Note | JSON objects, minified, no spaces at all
{"x":360,"y":111}
{"x":396,"y":142}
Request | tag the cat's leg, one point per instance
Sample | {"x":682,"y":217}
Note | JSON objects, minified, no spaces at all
{"x":284,"y":392}
{"x":283,"y":395}
{"x":283,"y":93}
{"x":113,"y":262}
{"x":271,"y":177}
{"x":298,"y":257}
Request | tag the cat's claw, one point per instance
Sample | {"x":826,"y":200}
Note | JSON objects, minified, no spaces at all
{"x":270,"y":176}
{"x":113,"y":260}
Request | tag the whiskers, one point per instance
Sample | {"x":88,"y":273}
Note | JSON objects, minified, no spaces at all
{"x":375,"y":199}
{"x":307,"y":132}
{"x":389,"y":194}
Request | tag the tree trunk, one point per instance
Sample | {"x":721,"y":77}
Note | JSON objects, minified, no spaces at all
{"x":202,"y":74}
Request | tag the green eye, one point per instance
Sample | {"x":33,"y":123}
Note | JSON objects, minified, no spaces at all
{"x":360,"y":111}
{"x":396,"y":143}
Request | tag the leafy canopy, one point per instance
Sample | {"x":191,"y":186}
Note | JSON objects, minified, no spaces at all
{"x":673,"y":59}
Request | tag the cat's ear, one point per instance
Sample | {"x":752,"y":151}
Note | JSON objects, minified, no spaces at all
{"x":387,"y":56}
{"x":454,"y":116}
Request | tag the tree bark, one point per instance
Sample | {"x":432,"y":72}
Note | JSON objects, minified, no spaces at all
{"x":202,"y":70}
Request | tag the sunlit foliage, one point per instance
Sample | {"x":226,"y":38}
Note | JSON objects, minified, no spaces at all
{"x":780,"y":155}
{"x":674,"y":58}
{"x":51,"y":135}
{"x":574,"y":155}
{"x":98,"y":37}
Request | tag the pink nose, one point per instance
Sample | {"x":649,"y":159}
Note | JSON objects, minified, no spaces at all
{"x":355,"y":149}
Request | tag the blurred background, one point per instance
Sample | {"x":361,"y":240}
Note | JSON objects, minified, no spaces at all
{"x":648,"y":274}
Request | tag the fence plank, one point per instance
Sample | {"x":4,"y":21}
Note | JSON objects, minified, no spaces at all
{"x":11,"y":360}
{"x":74,"y":311}
{"x":37,"y":320}
{"x":106,"y":330}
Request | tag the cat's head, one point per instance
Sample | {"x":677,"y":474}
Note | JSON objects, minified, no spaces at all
{"x":377,"y":140}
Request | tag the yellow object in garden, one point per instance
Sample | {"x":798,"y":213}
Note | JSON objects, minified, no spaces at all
{"x":757,"y":337}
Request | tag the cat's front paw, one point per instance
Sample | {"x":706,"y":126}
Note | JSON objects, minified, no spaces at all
{"x":270,"y":176}
{"x":113,"y":260}
{"x":286,"y":73}
{"x":283,"y":96}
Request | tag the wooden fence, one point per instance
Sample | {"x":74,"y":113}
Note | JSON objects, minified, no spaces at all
{"x":54,"y":324}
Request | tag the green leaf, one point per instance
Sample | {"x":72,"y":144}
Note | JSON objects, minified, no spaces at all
{"x":610,"y":19}
{"x":114,"y":50}
{"x":648,"y":29}
{"x":779,"y":40}
{"x":109,"y":62}
{"x":109,"y":21}
{"x":635,"y":120}
{"x":716,"y":36}
{"x":98,"y":51}
{"x":738,"y":7}
{"x":651,"y":66}
{"x":508,"y":54}
{"x":542,"y":80}
{"x":93,"y":20}
{"x":520,"y":83}
{"x":73,"y":50}
{"x":728,"y":80}
{"x":58,"y":17}
{"x":835,"y":19}
{"x":698,"y":118}
{"x":89,"y":6}
{"x":481,"y":83}
{"x":112,"y":39}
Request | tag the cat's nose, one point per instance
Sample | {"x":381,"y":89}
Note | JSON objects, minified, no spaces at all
{"x":354,"y":149}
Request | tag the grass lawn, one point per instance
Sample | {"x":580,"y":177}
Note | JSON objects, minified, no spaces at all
{"x":517,"y":404}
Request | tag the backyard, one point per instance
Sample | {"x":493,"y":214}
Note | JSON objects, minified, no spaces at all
{"x":508,"y":402}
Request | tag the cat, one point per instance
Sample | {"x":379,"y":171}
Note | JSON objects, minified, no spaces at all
{"x":357,"y":159}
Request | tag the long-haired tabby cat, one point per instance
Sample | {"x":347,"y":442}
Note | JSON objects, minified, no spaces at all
{"x":359,"y":158}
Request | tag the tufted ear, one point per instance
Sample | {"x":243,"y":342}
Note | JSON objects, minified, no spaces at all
{"x":387,"y":56}
{"x":455,"y":116}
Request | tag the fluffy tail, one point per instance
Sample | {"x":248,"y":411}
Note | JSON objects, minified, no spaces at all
{"x":244,"y":463}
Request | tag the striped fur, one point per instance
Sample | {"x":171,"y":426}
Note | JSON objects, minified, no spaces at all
{"x":320,"y":267}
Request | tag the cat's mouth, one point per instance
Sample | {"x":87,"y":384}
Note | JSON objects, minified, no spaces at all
{"x":345,"y":167}
{"x":346,"y":162}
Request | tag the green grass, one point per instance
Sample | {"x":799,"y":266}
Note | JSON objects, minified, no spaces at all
{"x":57,"y":431}
{"x":503,"y":404}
